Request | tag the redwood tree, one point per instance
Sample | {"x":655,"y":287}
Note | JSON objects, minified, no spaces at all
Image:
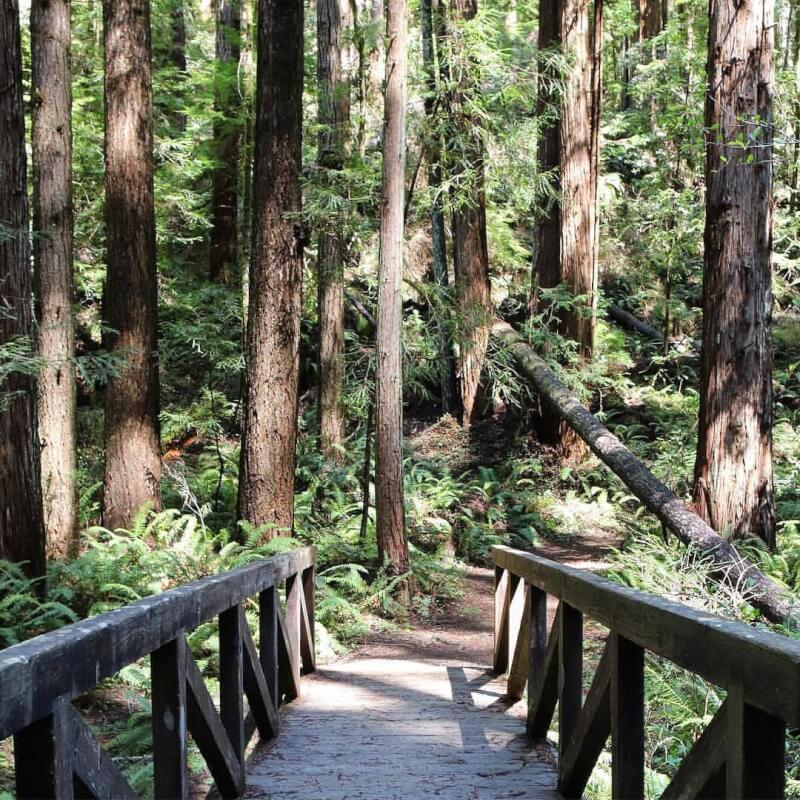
{"x":130,"y":303}
{"x":266,"y":473}
{"x":334,"y":115}
{"x":52,"y":254}
{"x":21,"y":523}
{"x":733,"y":470}
{"x":567,"y":233}
{"x":224,"y":253}
{"x":470,"y":246}
{"x":389,"y":501}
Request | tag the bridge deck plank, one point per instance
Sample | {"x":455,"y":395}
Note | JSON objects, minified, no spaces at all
{"x":400,"y":728}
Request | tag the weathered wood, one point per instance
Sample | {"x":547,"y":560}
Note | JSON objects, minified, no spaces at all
{"x":268,"y":635}
{"x":570,"y":674}
{"x":543,"y":692}
{"x":231,"y":680}
{"x":210,"y":735}
{"x":44,"y":756}
{"x":628,"y":320}
{"x":590,"y":734}
{"x":755,"y":755}
{"x":168,"y":697}
{"x":501,"y":627}
{"x":307,"y":654}
{"x":703,"y":768}
{"x":288,"y":663}
{"x":310,"y":605}
{"x":627,"y":719}
{"x":257,"y":691}
{"x":537,"y":627}
{"x":73,"y":659}
{"x":518,"y":671}
{"x":762,"y":593}
{"x":724,"y":652}
{"x":516,"y":604}
{"x":293,"y":617}
{"x":93,"y":767}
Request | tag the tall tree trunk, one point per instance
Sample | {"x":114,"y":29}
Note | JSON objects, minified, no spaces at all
{"x":434,"y":21}
{"x":470,"y":246}
{"x":567,"y":251}
{"x":21,"y":522}
{"x":52,"y":254}
{"x":177,"y":56}
{"x":389,"y":502}
{"x":133,"y":456}
{"x":733,"y":470}
{"x":333,"y":18}
{"x":266,"y":472}
{"x":224,"y":252}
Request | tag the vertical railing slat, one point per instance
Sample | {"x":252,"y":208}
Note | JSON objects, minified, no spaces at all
{"x":538,"y":644}
{"x":570,"y":674}
{"x":268,"y":640}
{"x":309,"y":596}
{"x":627,"y":719}
{"x":294,"y":586}
{"x":501,"y":604}
{"x":43,"y":756}
{"x":168,"y":692}
{"x":231,"y":678}
{"x":756,"y":751}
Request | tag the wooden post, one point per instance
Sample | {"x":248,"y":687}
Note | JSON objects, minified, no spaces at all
{"x":756,"y":745}
{"x":294,"y":586}
{"x":627,"y":719}
{"x":43,"y":756}
{"x":168,"y":689}
{"x":309,"y":634}
{"x":231,"y":679}
{"x":516,"y":610}
{"x":570,"y":674}
{"x":268,"y":639}
{"x":538,"y":644}
{"x":501,"y":604}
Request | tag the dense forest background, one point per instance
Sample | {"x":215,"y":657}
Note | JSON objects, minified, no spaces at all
{"x":245,"y":247}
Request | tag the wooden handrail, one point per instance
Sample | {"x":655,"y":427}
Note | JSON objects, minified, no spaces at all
{"x":54,"y":750}
{"x":759,"y":670}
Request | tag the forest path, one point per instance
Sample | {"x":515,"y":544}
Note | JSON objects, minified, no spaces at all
{"x":411,"y":714}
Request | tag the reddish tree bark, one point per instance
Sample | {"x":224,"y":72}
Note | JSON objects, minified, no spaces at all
{"x":389,"y":499}
{"x":333,"y":18}
{"x":266,"y":473}
{"x":567,"y":246}
{"x":133,"y":456}
{"x":470,"y":246}
{"x":21,"y":523}
{"x":733,"y":470}
{"x":51,"y":142}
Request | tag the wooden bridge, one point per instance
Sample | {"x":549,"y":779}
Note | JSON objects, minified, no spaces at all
{"x":401,"y":727}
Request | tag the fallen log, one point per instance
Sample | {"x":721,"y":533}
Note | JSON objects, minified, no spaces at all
{"x":761,"y":592}
{"x":629,"y":321}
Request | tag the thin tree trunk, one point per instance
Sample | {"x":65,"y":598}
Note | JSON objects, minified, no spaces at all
{"x":365,"y":473}
{"x":333,"y":18}
{"x":447,"y":382}
{"x":266,"y":472}
{"x":733,"y":471}
{"x":21,"y":522}
{"x":224,"y":251}
{"x":52,"y":254}
{"x":177,"y":57}
{"x":470,"y":246}
{"x":133,"y":458}
{"x":389,"y":501}
{"x":567,"y":251}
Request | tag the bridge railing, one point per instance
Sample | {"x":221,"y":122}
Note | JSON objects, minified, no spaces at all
{"x":741,"y":753}
{"x":56,"y":755}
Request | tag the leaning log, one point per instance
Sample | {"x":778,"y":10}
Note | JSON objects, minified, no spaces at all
{"x":761,"y":592}
{"x":629,"y":321}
